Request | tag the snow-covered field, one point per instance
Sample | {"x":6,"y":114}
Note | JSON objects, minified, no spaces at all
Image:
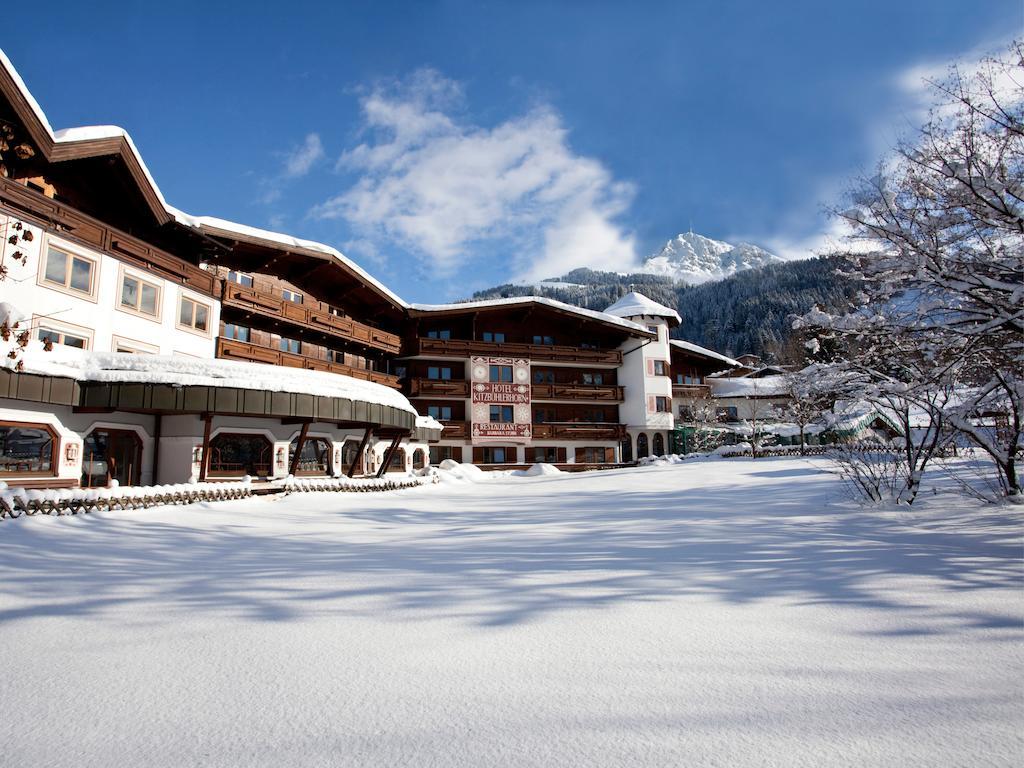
{"x":720,"y":612}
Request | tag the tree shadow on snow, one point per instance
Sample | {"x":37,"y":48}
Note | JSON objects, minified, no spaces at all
{"x":505,"y":553}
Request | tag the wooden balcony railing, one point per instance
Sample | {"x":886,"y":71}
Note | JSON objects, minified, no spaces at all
{"x":454,"y":429}
{"x":560,"y":354}
{"x":578,"y":431}
{"x":75,"y":225}
{"x":460,"y":388}
{"x":242,"y":350}
{"x":438,"y":388}
{"x":549,"y":431}
{"x":691,"y":390}
{"x":269,"y":305}
{"x":603,"y":392}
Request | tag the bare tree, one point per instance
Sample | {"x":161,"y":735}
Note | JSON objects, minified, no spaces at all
{"x":807,"y":399}
{"x":938,"y":245}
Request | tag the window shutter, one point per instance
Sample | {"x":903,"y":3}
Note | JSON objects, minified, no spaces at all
{"x":652,"y":404}
{"x":560,"y":455}
{"x":478,"y":455}
{"x":609,"y":455}
{"x":650,"y":367}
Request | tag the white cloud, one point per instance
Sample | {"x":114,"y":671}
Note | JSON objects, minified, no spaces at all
{"x":302,"y":158}
{"x":443,"y":188}
{"x":914,"y":97}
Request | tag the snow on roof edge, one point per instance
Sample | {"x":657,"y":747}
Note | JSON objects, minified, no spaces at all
{"x":591,"y":313}
{"x":280,"y":238}
{"x":697,"y":349}
{"x":177,"y":370}
{"x":93,"y":132}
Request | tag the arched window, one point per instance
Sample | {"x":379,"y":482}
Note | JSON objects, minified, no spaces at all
{"x":315,"y":458}
{"x":627,"y":450}
{"x":419,"y":459}
{"x":27,"y":449}
{"x":642,"y":451}
{"x":234,"y":455}
{"x":659,"y":444}
{"x":350,"y":454}
{"x":397,"y":461}
{"x":111,"y":454}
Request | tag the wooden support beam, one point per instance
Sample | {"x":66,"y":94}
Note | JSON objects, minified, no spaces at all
{"x":359,"y":453}
{"x":388,"y":454}
{"x":158,"y":423}
{"x":298,"y":448}
{"x":204,"y":464}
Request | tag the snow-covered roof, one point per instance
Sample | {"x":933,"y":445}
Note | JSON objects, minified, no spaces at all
{"x":428,"y":422}
{"x":554,"y":303}
{"x":769,"y":386}
{"x":213,"y":225}
{"x":207,"y":224}
{"x":702,"y":351}
{"x":635,"y":304}
{"x":197,"y":372}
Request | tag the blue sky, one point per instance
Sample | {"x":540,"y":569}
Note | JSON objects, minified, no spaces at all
{"x":450,"y":146}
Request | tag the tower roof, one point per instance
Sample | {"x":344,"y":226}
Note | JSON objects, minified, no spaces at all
{"x":635,"y":304}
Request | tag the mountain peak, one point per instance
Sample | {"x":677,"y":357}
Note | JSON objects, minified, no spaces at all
{"x":694,"y":258}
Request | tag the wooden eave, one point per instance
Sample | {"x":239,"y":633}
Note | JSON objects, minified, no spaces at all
{"x":57,"y":152}
{"x":530,"y":307}
{"x":292,"y":263}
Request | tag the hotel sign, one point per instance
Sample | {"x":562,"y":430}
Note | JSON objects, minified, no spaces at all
{"x":503,"y":382}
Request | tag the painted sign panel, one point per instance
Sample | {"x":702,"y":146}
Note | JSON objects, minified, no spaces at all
{"x":503,"y":382}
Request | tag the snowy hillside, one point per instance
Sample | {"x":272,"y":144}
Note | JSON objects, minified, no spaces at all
{"x":693,"y":258}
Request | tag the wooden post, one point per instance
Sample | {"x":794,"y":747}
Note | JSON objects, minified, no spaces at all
{"x":359,"y":453}
{"x":204,"y":463}
{"x":158,"y":423}
{"x":388,"y":454}
{"x":298,"y":447}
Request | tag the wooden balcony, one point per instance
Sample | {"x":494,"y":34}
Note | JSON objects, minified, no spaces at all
{"x":555,"y":354}
{"x":548,"y":431}
{"x":438,"y":388}
{"x":271,"y":306}
{"x":698,"y":391}
{"x":577,"y":430}
{"x":34,"y":207}
{"x":229,"y":349}
{"x":455,"y":429}
{"x":594,"y":392}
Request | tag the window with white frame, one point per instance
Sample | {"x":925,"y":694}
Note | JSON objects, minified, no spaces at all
{"x":133,"y":347}
{"x":139,"y":295}
{"x":69,"y":272}
{"x":241,"y":278}
{"x":292,"y":296}
{"x":193,"y":315}
{"x":53,"y":335}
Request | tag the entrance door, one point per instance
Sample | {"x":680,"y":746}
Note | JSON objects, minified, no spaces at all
{"x":111,"y":454}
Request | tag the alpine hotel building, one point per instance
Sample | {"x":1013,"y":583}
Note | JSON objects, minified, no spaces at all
{"x":150,"y":346}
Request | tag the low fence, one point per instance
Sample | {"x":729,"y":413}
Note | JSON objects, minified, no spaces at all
{"x":15,"y":502}
{"x":353,"y":485}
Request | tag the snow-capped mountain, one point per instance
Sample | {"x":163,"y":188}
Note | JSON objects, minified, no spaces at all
{"x":694,"y":258}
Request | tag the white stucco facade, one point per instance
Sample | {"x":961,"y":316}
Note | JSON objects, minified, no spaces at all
{"x":98,"y":314}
